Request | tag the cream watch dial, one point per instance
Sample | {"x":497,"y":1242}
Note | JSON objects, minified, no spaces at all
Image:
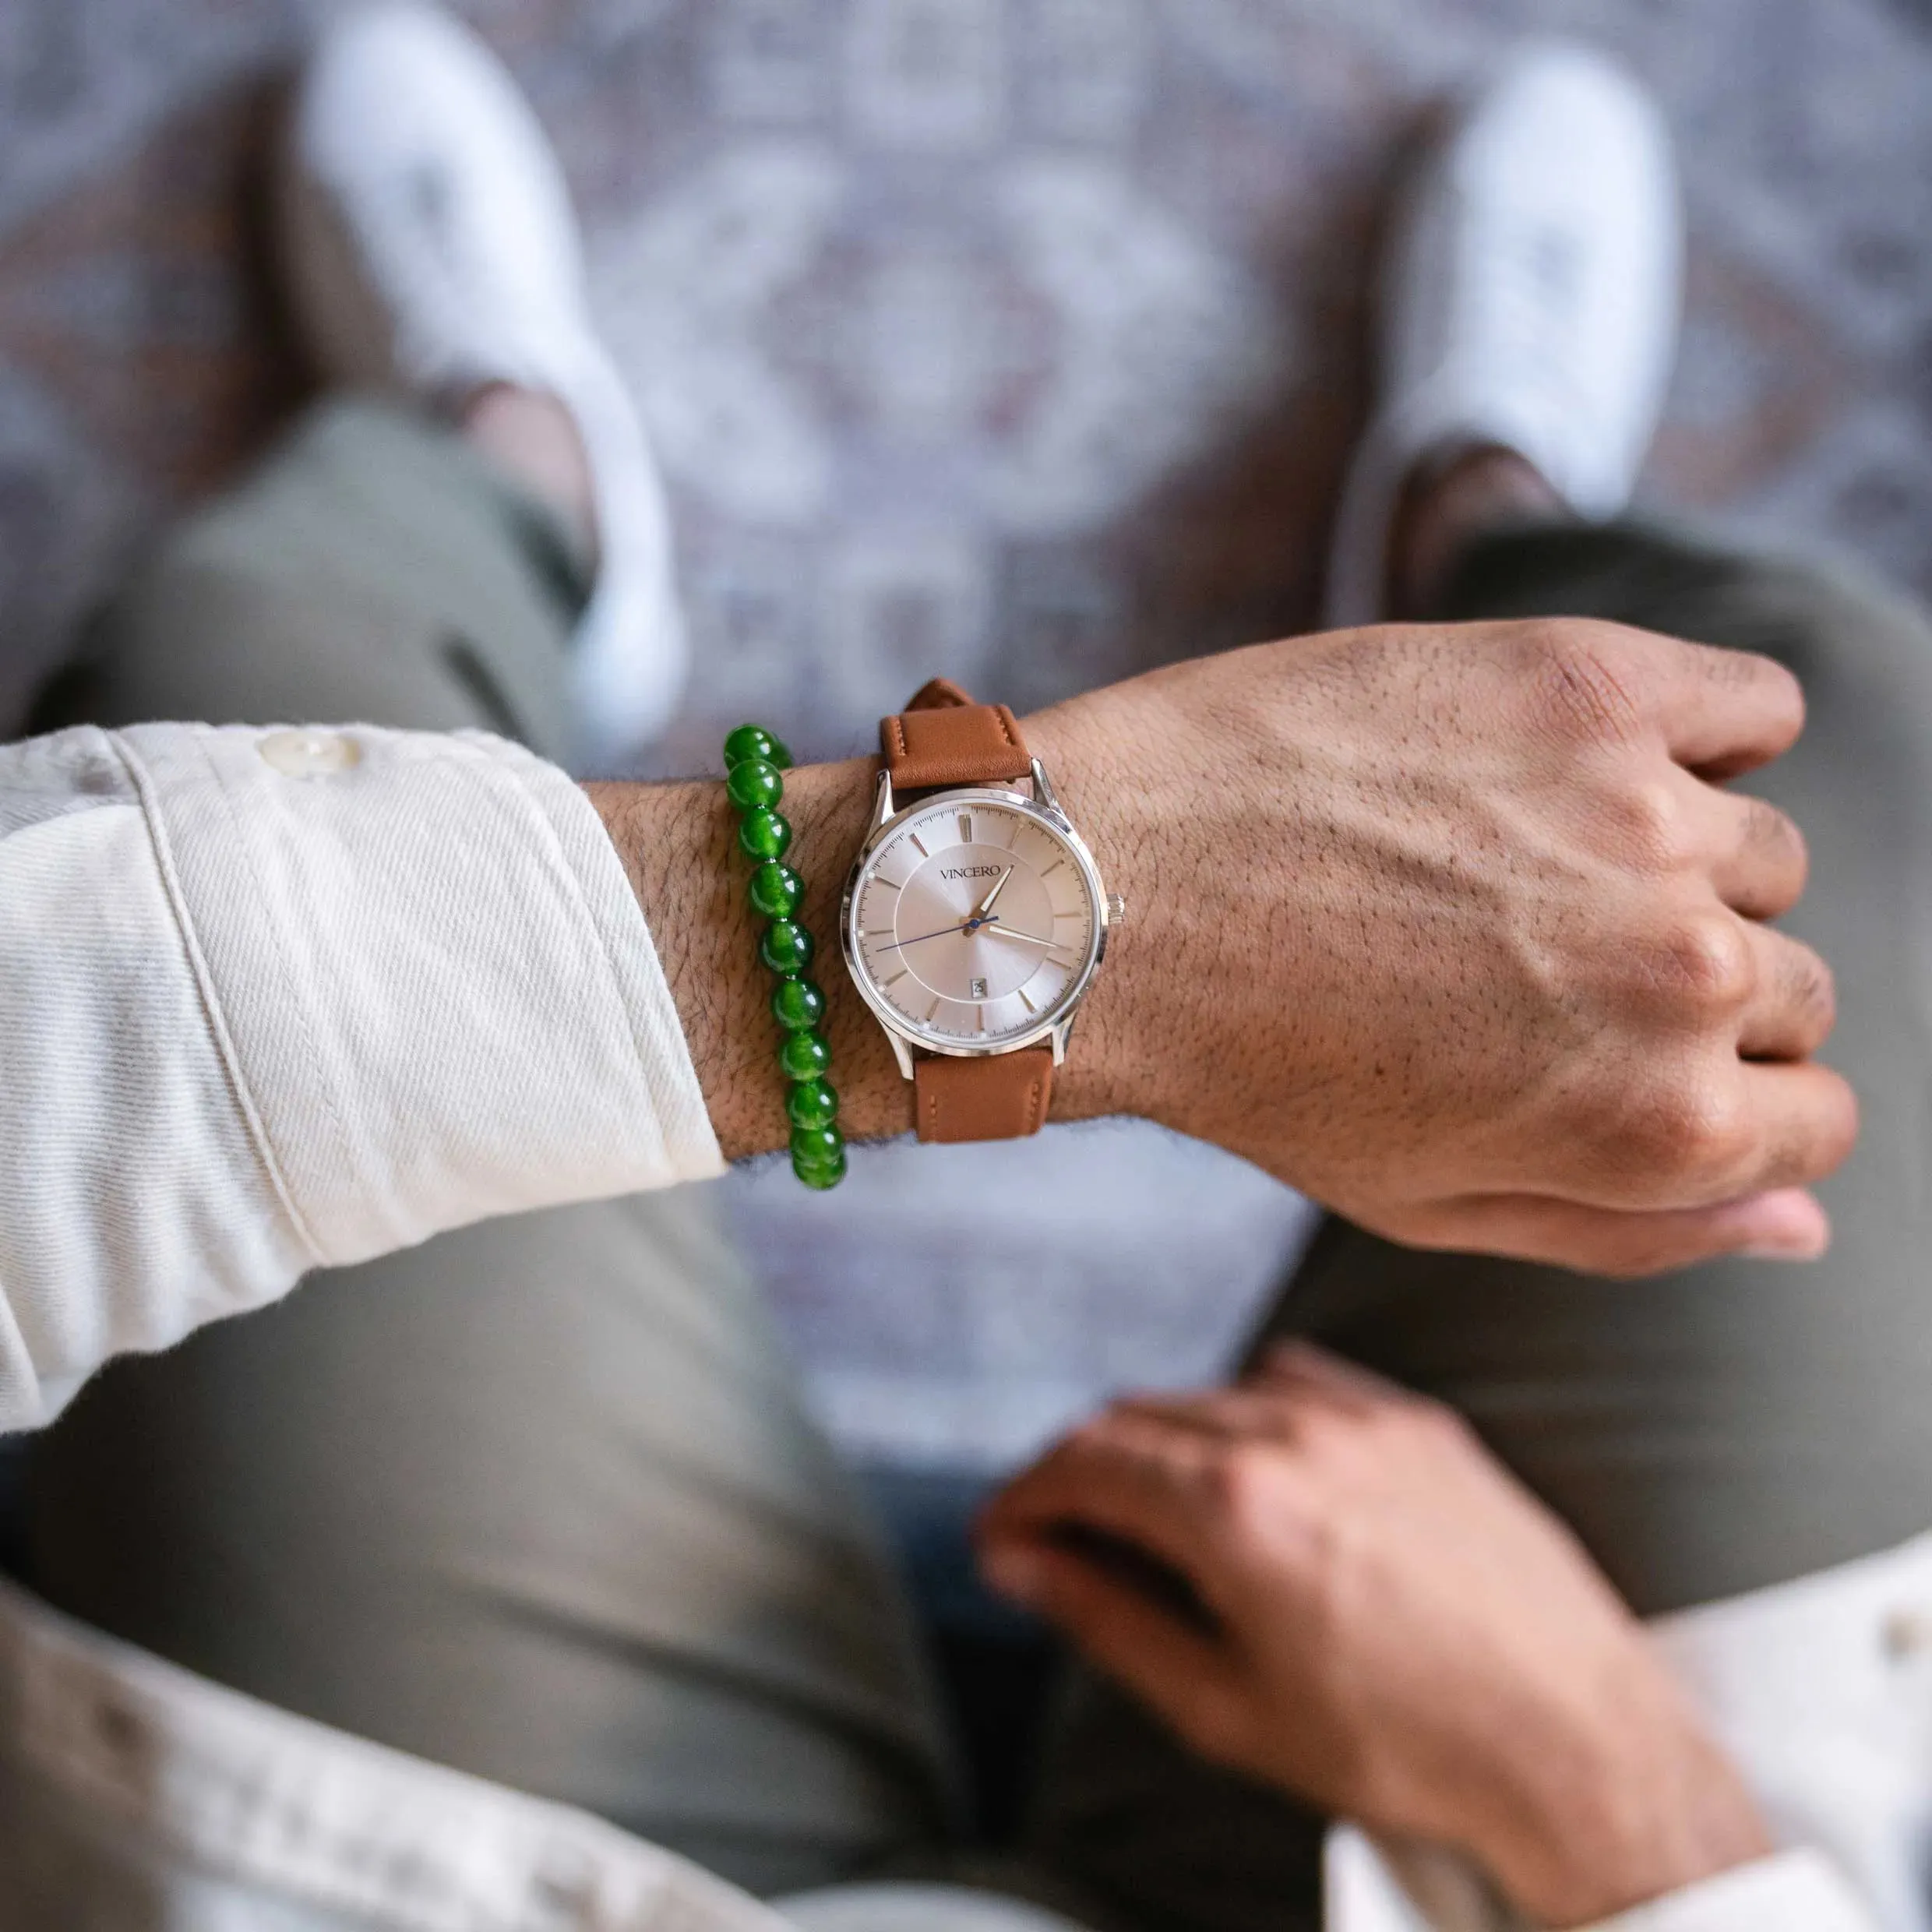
{"x":974,"y":923}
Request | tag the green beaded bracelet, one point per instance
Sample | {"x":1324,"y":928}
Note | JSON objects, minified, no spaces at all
{"x":755,"y":763}
{"x":787,"y":947}
{"x":797,"y":1004}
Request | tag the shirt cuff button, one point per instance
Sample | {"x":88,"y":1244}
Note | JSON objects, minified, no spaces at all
{"x":306,"y":754}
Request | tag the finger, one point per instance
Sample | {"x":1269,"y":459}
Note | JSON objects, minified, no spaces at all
{"x":1761,"y":862}
{"x":1726,"y":712}
{"x":1184,"y":1676}
{"x":1300,"y":1368}
{"x":1782,"y":1225}
{"x":1796,"y":1006}
{"x":1133,"y":1477}
{"x":1806,"y":1122}
{"x":1218,"y":1415}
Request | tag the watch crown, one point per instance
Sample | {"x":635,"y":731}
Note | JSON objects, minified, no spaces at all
{"x":1117,"y":909}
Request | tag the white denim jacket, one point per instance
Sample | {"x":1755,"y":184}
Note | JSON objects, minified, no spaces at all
{"x":275,"y":999}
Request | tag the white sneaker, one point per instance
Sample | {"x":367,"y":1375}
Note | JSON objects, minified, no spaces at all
{"x":429,"y":246}
{"x":1530,"y":300}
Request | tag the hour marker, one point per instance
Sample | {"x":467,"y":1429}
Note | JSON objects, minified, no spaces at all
{"x":981,"y":1012}
{"x":896,"y":977}
{"x":1025,"y":1002}
{"x":885,"y":935}
{"x":932,"y":1011}
{"x":915,"y":837}
{"x":891,"y":885}
{"x":965,"y":828}
{"x":1053,"y":868}
{"x":1059,"y":916}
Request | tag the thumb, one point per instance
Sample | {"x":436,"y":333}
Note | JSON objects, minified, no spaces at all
{"x":1783,"y":1224}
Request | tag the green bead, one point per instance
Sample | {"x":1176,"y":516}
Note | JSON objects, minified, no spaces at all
{"x":803,"y":1055}
{"x":823,"y":1179}
{"x":797,"y":1004}
{"x":787,"y":947}
{"x":764,"y":834}
{"x":775,"y":891}
{"x":817,"y":1147}
{"x":752,"y":783}
{"x":813,"y":1103}
{"x":754,"y":741}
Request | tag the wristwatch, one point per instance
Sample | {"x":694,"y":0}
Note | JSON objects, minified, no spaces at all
{"x":975,"y":918}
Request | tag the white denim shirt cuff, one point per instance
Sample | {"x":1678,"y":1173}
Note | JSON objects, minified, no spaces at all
{"x":1373,"y":1885}
{"x":1799,"y":1890}
{"x":272,"y":1000}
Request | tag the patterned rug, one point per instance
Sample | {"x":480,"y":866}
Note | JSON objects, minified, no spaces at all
{"x":1018,"y":339}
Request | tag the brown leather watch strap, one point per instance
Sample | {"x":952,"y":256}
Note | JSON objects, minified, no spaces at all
{"x":942,"y":738}
{"x":1003,"y":1097}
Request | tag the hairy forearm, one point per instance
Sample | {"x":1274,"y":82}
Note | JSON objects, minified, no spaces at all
{"x":677,"y":844}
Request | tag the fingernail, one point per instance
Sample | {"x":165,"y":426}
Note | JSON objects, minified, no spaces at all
{"x":1785,"y":1225}
{"x":1014,"y":1572}
{"x":1810,"y":1249}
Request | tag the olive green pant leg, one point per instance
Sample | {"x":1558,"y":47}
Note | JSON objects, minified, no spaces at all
{"x":374,"y":570}
{"x":1737,"y":1424}
{"x":1726,"y":1427}
{"x":538,"y":1499}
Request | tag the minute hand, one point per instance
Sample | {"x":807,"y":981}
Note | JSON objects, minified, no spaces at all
{"x":994,"y":929}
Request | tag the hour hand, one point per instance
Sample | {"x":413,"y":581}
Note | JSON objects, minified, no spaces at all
{"x":998,"y":886}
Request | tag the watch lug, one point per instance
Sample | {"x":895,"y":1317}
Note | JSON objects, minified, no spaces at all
{"x":901,"y":1051}
{"x":1043,"y":791}
{"x":882,"y":808}
{"x":1061,"y":1034}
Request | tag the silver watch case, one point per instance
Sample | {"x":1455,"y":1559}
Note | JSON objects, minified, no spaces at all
{"x":1057,"y":1024}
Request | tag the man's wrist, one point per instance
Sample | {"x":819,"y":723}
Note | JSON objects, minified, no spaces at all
{"x":678,"y":845}
{"x":1641,"y":1804}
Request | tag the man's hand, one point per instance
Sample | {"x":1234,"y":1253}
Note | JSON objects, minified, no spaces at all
{"x":1389,"y":1628}
{"x":1452,"y":927}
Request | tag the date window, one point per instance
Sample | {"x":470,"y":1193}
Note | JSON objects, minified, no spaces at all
{"x":976,"y":989}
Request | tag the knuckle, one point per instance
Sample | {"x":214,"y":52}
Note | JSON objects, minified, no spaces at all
{"x":1585,"y":683}
{"x":1707,"y":964}
{"x":1437,"y":1423}
{"x":1694,"y":1127}
{"x":1653,"y":826}
{"x":1241,"y":1489}
{"x":1409,"y":1428}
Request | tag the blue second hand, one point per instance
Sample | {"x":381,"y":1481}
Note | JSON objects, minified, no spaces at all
{"x":971,"y":925}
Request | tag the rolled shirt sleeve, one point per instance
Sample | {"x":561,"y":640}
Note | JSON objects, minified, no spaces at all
{"x":276,"y":999}
{"x":1798,"y":1890}
{"x":1370,"y":1885}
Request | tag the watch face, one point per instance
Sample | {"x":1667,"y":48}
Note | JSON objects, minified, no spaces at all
{"x":974,"y":923}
